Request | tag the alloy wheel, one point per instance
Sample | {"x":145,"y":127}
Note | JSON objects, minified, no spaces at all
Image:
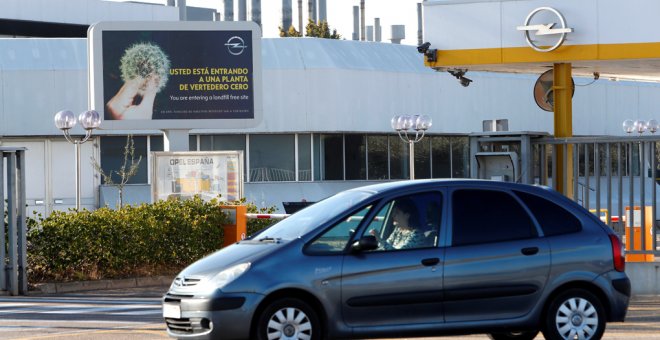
{"x":576,"y":318}
{"x":289,"y":323}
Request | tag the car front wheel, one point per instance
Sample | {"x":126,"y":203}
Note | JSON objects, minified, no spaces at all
{"x":575,"y":314}
{"x":289,"y":318}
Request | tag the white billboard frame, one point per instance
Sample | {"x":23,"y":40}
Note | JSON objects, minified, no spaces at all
{"x":96,"y":99}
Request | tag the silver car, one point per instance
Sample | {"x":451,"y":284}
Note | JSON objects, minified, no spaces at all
{"x":412,"y":258}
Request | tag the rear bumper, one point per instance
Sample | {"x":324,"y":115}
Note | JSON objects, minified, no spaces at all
{"x":619,"y":295}
{"x":622,"y":286}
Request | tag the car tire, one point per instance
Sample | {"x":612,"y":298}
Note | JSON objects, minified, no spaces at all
{"x":575,"y":312}
{"x":526,"y":335}
{"x":289,"y":318}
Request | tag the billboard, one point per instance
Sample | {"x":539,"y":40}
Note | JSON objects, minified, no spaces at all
{"x":207,"y":174}
{"x":175,"y":75}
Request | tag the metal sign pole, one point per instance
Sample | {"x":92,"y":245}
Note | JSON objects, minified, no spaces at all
{"x":3,"y":275}
{"x":22,"y":226}
{"x":12,"y":219}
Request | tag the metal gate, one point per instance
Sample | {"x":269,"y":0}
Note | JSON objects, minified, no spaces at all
{"x":614,"y":177}
{"x":13,"y":252}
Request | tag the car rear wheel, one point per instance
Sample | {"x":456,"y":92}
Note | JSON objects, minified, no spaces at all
{"x":527,"y":335}
{"x":575,"y":314}
{"x":289,"y":318}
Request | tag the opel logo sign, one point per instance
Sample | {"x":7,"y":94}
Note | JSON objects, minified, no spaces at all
{"x":545,"y":29}
{"x":235,"y":45}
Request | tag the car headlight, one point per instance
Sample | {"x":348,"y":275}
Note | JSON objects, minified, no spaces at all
{"x":224,"y":277}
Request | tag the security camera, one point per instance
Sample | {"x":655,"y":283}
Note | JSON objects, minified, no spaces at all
{"x":426,"y":50}
{"x":423,"y":48}
{"x":460,"y":75}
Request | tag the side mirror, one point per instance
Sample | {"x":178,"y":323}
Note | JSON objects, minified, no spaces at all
{"x":366,"y":243}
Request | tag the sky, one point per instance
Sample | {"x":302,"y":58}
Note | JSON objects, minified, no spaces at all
{"x":340,"y":15}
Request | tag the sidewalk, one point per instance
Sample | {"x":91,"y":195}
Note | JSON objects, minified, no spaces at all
{"x":102,"y":285}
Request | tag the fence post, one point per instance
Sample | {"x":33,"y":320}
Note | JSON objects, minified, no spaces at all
{"x":13,"y":254}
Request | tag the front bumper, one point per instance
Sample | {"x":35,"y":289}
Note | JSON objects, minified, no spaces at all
{"x":223,"y":316}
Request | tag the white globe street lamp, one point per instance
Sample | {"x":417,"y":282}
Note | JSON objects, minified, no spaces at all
{"x":628,"y":126}
{"x":65,"y":120}
{"x":652,"y":126}
{"x":417,"y":123}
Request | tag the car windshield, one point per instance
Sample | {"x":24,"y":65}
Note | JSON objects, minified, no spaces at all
{"x":311,"y":217}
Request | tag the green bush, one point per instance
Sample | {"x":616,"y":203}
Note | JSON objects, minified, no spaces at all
{"x":149,"y":239}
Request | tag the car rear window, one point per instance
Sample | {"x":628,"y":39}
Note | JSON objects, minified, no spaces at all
{"x":554,"y":219}
{"x":484,"y":216}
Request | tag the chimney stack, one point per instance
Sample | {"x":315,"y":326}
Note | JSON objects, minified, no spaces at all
{"x":356,"y":23}
{"x":256,"y":11}
{"x":323,"y":11}
{"x":377,"y":30}
{"x":181,"y":4}
{"x":370,"y":33}
{"x":229,"y":10}
{"x":420,"y":37}
{"x":242,"y":10}
{"x":300,"y":16}
{"x":287,"y":12}
{"x":311,"y":9}
{"x":362,"y":23}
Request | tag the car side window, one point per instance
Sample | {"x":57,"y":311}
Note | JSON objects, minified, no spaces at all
{"x":336,"y":238}
{"x":484,"y":216}
{"x":554,"y":219}
{"x":407,"y":222}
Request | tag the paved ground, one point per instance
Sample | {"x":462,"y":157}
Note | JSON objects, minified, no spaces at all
{"x":135,"y":313}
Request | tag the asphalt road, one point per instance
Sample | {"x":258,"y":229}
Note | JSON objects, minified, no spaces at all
{"x":136,"y":314}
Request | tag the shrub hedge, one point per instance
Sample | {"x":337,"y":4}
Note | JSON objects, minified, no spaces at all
{"x":148,"y":239}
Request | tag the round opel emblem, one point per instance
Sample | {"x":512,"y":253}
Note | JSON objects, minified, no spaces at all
{"x":540,"y":30}
{"x":235,"y":45}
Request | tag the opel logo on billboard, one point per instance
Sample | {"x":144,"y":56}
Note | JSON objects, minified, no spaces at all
{"x":235,"y":45}
{"x":558,"y":35}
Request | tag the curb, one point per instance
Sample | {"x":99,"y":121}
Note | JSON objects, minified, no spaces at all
{"x":79,"y":286}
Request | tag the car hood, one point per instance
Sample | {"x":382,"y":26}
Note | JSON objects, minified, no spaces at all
{"x":244,"y":251}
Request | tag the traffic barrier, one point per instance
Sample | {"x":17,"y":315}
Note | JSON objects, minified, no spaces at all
{"x":236,"y":229}
{"x":268,"y":216}
{"x":639,"y":237}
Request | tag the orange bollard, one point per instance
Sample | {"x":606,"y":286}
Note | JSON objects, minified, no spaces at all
{"x":236,"y":229}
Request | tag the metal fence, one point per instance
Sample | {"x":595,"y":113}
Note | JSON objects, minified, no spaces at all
{"x":13,"y":252}
{"x":614,"y":177}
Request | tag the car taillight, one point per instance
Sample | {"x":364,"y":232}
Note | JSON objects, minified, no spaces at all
{"x":617,"y":253}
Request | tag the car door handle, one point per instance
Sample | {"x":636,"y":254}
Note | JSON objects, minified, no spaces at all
{"x":530,"y":251}
{"x":431,"y":262}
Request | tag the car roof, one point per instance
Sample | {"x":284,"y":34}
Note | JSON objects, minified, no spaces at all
{"x":384,"y":188}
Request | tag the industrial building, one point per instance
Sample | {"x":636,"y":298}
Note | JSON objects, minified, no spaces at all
{"x":327,"y":106}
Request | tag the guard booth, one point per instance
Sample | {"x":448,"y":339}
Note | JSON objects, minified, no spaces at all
{"x":13,"y":256}
{"x":503,"y":156}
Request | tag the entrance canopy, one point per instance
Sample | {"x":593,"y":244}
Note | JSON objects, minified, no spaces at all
{"x":617,"y":39}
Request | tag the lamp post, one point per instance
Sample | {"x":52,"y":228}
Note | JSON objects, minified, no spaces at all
{"x":419,"y":124}
{"x":65,"y":120}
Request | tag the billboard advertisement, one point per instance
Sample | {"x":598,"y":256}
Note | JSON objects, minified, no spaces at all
{"x":210,"y":174}
{"x":183,"y":75}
